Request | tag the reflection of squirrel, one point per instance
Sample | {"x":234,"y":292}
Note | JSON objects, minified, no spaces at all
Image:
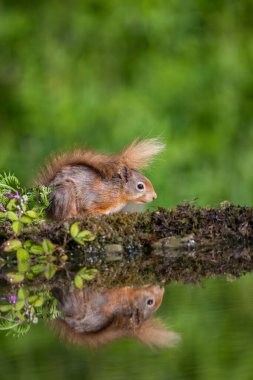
{"x":86,"y":182}
{"x":95,"y":318}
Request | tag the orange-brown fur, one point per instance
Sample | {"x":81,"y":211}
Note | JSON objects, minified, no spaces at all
{"x":89,"y":183}
{"x":135,"y":156}
{"x":119,"y":313}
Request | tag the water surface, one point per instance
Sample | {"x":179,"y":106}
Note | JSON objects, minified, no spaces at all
{"x":214,"y":319}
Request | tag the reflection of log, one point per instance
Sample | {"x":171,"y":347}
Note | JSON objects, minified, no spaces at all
{"x":184,"y":243}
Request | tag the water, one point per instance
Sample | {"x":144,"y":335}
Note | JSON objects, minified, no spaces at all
{"x":214,"y":319}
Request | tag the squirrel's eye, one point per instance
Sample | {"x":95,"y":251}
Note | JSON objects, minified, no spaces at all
{"x":150,"y":302}
{"x":140,"y":186}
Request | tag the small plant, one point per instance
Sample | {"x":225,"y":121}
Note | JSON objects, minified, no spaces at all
{"x":83,"y":275}
{"x":34,"y":259}
{"x":20,"y":206}
{"x":80,"y":236}
{"x":22,"y":309}
{"x":25,"y":207}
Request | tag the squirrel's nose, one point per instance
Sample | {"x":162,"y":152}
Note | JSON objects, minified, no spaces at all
{"x":154,"y":196}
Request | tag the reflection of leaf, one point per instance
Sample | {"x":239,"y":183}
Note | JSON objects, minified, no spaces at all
{"x":23,"y":266}
{"x":36,"y":249}
{"x":15,"y":278}
{"x":48,"y":246}
{"x":27,"y":244}
{"x":23,"y":257}
{"x":50,"y":271}
{"x":12,"y":245}
{"x":30,"y":275}
{"x":37,"y":269}
{"x":22,"y":254}
{"x":5,"y":308}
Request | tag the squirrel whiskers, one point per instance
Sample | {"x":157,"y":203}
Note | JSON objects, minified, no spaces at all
{"x":85,"y":182}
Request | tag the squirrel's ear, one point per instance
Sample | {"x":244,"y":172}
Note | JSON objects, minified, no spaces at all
{"x":124,"y":173}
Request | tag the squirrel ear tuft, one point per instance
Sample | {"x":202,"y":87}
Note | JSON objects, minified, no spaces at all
{"x":124,"y":173}
{"x":138,"y":155}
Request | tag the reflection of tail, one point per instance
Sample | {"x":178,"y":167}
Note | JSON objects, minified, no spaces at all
{"x":154,"y":334}
{"x":151,"y":332}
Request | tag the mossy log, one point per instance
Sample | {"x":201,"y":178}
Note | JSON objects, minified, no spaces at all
{"x":184,"y":244}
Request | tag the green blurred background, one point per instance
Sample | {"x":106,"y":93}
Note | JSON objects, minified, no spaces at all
{"x":101,"y":73}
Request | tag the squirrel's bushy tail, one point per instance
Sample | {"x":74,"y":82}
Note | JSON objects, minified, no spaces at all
{"x":153,"y":333}
{"x":138,"y":155}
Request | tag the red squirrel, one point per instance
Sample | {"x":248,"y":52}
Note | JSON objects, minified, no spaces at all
{"x":88,"y":183}
{"x":94,"y":318}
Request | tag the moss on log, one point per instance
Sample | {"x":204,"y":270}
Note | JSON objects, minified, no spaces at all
{"x":184,"y":244}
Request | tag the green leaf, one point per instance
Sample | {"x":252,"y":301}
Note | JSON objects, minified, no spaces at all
{"x":19,"y":305}
{"x":15,"y":278}
{"x":12,"y":245}
{"x":39,"y":302}
{"x":17,"y":226}
{"x":86,"y":235}
{"x":78,"y":281}
{"x":87,"y":274}
{"x":50,"y":271}
{"x":11,"y":215}
{"x":27,"y":244}
{"x":74,"y":230}
{"x":79,"y":241}
{"x":11,"y":204}
{"x":32,"y":214}
{"x":36,"y":249}
{"x":32,"y":299}
{"x":48,"y":246}
{"x":20,"y":316}
{"x":30,"y":275}
{"x":2,"y":215}
{"x":23,"y":266}
{"x":26,"y":219}
{"x":24,"y":207}
{"x":22,"y":254}
{"x":83,"y":236}
{"x":42,"y":259}
{"x":2,"y":262}
{"x":37,"y":269}
{"x":5,"y":308}
{"x":22,"y":294}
